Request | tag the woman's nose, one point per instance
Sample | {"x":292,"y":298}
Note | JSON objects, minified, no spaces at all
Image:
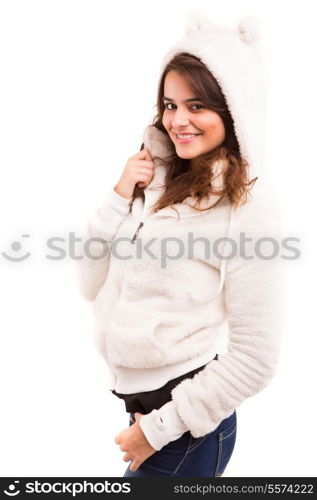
{"x":180,"y":118}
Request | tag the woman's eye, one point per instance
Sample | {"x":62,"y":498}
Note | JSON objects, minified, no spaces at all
{"x":198,"y":106}
{"x":168,"y":104}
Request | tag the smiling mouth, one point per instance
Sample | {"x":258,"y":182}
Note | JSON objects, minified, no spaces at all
{"x":185,"y":138}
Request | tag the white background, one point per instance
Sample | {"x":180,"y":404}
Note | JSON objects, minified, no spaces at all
{"x":78,"y":85}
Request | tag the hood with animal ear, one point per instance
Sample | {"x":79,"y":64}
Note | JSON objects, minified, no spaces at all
{"x":233,"y":56}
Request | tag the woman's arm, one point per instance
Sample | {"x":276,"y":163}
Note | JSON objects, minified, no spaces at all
{"x":253,"y":293}
{"x":100,"y":229}
{"x":102,"y":225}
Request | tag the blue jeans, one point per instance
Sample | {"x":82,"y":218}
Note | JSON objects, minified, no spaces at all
{"x":205,"y":456}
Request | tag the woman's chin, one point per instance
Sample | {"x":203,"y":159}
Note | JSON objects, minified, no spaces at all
{"x":190,"y":151}
{"x":186,"y":156}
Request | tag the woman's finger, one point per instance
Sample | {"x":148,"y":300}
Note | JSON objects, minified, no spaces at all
{"x":135,"y":465}
{"x":127,"y":457}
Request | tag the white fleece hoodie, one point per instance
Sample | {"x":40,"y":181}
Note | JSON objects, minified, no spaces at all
{"x":158,"y":316}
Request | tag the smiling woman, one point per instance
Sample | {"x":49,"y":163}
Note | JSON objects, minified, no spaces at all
{"x":159,"y":314}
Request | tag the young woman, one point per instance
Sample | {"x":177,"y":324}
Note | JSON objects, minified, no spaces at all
{"x":181,"y":247}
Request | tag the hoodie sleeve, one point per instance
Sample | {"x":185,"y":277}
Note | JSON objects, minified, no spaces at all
{"x":98,"y":232}
{"x":254,"y":300}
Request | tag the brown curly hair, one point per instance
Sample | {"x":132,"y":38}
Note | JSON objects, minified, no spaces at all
{"x":195,"y":177}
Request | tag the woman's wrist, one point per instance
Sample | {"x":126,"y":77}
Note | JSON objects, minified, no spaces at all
{"x":121,"y":192}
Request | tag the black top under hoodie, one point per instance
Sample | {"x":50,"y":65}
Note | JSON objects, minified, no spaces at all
{"x":145,"y":402}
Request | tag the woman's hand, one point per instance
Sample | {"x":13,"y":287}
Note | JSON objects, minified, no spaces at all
{"x":133,"y":441}
{"x":138,"y":170}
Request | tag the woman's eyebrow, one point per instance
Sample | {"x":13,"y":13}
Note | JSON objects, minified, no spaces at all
{"x":186,"y":100}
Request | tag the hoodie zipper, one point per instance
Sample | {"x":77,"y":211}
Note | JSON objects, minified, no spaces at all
{"x":139,"y":227}
{"x":137,"y":232}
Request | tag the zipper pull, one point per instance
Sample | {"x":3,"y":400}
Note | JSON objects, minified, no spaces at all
{"x":136,"y":232}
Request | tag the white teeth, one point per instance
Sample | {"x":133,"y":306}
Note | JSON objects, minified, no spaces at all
{"x":186,"y":136}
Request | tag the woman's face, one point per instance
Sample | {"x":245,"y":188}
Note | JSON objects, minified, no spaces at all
{"x":185,"y":114}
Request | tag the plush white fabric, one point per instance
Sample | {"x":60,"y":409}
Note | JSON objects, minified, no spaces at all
{"x":156,"y":319}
